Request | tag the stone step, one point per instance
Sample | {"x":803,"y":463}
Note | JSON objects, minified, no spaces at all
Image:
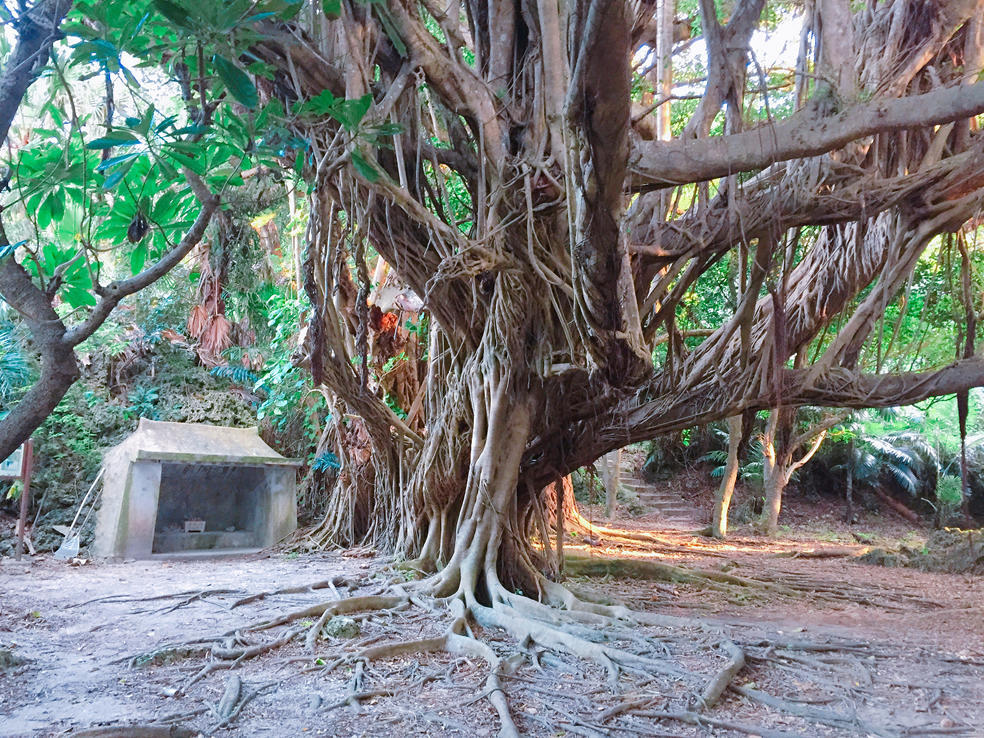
{"x":664,"y":501}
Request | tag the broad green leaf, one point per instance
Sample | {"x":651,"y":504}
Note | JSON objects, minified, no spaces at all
{"x":238,"y":83}
{"x":43,"y":214}
{"x":167,"y":170}
{"x":386,"y":20}
{"x":174,"y":13}
{"x":351,"y":112}
{"x":76,"y":296}
{"x":115,"y":160}
{"x":56,"y":202}
{"x":364,"y":167}
{"x":143,"y":128}
{"x":138,"y":257}
{"x":114,"y":138}
{"x":114,"y":179}
{"x":320,"y":104}
{"x":194,"y":163}
{"x":388,"y":129}
{"x":332,"y":8}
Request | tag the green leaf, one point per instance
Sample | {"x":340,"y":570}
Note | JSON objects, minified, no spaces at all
{"x":77,"y":296}
{"x":138,"y":257}
{"x":388,"y":129}
{"x":56,"y":201}
{"x":114,"y":138}
{"x":115,"y":160}
{"x":114,"y":179}
{"x":44,"y":213}
{"x":386,"y":20}
{"x":167,"y":170}
{"x":320,"y":104}
{"x":194,"y":163}
{"x":143,"y":128}
{"x":364,"y":167}
{"x":332,"y":8}
{"x":174,"y":13}
{"x":236,"y":81}
{"x":351,"y":112}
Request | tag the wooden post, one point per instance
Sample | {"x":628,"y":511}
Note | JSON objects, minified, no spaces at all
{"x":27,"y":462}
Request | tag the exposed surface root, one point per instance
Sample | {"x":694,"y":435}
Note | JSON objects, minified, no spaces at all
{"x":324,"y":584}
{"x":722,"y":680}
{"x":184,"y":598}
{"x":787,"y":585}
{"x":634,"y":648}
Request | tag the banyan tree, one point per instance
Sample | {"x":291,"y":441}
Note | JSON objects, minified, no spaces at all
{"x":515,"y":166}
{"x":552,"y":223}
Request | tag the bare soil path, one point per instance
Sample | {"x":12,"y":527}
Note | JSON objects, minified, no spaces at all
{"x":891,"y":652}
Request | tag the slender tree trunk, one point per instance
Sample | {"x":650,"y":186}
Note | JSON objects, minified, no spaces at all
{"x":611,"y":475}
{"x":722,"y":500}
{"x":664,"y":67}
{"x":775,"y":484}
{"x":778,"y":447}
{"x":849,"y":486}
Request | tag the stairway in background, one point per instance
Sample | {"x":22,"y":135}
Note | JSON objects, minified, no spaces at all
{"x":673,"y":510}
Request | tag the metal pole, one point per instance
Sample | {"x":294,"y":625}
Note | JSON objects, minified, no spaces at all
{"x":27,"y":462}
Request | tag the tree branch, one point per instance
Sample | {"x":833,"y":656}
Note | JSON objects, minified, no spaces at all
{"x":657,"y":164}
{"x":37,"y":31}
{"x":115,"y":292}
{"x":822,"y":427}
{"x":817,"y":441}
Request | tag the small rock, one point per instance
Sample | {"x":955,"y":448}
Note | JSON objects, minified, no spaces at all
{"x":9,"y":659}
{"x":340,"y":627}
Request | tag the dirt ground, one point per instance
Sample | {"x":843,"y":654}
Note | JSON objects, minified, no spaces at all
{"x":850,"y":649}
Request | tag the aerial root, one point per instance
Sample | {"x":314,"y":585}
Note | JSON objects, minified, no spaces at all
{"x":336,"y":607}
{"x":639,"y":569}
{"x":138,"y":730}
{"x":233,"y":701}
{"x":786,"y":585}
{"x":552,"y":636}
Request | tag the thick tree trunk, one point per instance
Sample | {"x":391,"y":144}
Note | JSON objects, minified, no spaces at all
{"x":540,"y":292}
{"x":58,"y":366}
{"x":722,"y":498}
{"x":491,"y":545}
{"x":59,"y":370}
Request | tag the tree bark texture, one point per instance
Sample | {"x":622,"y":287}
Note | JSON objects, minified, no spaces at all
{"x":722,"y":498}
{"x":534,"y":215}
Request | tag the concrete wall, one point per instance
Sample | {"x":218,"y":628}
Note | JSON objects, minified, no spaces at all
{"x":281,"y":514}
{"x":258,"y":499}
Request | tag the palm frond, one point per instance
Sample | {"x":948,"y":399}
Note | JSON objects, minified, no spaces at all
{"x":904,"y":478}
{"x":717,"y":456}
{"x":14,"y":369}
{"x":235,"y":373}
{"x":888,"y":450}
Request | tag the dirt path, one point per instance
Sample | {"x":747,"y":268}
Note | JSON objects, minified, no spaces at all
{"x":908,"y":661}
